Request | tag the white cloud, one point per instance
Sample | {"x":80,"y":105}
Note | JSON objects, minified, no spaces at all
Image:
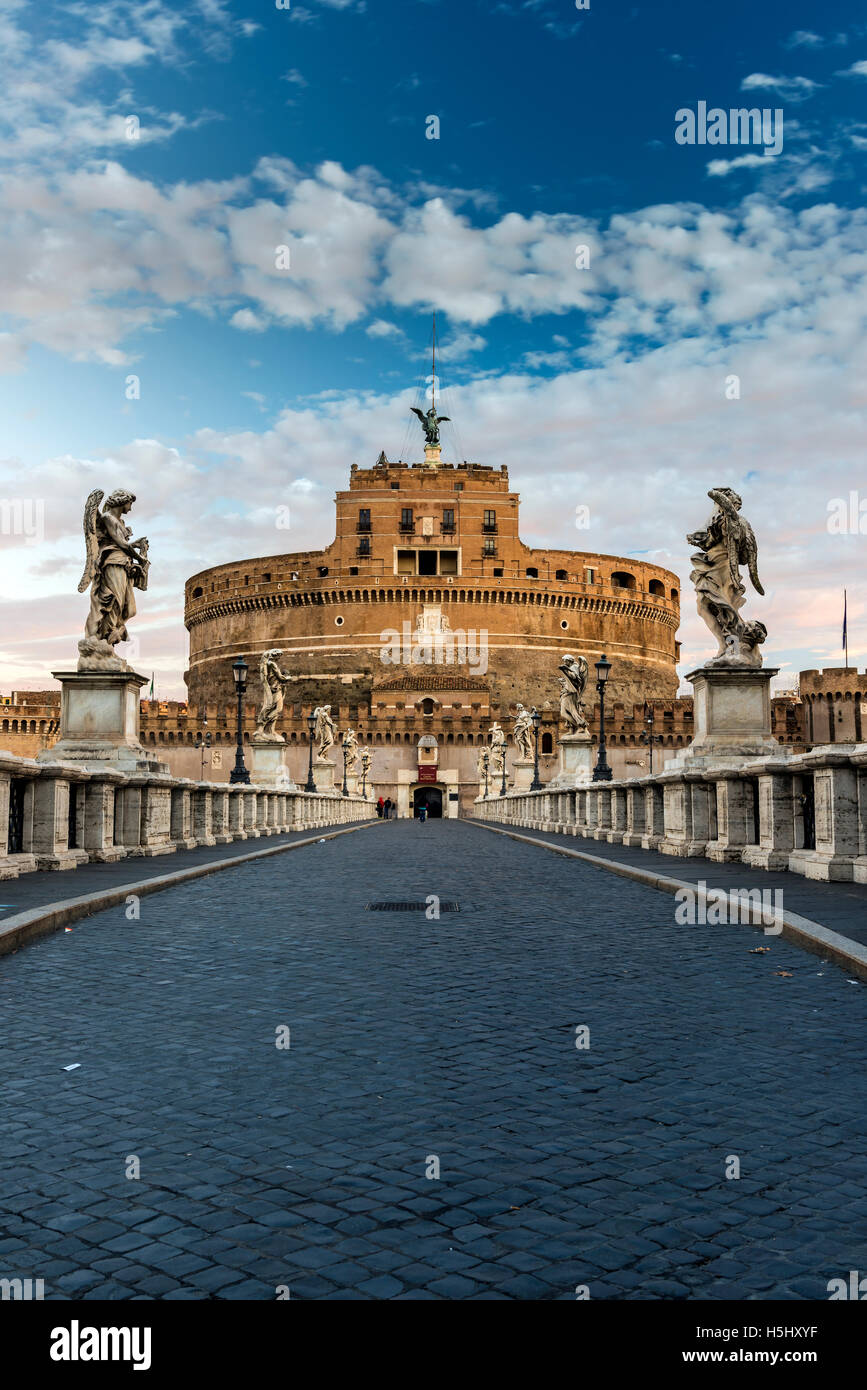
{"x":790,"y":88}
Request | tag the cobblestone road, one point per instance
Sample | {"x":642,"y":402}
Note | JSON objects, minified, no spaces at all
{"x":412,"y":1038}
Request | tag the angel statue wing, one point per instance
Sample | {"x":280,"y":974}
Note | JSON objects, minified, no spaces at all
{"x":748,"y":553}
{"x":91,"y":540}
{"x":420,"y":413}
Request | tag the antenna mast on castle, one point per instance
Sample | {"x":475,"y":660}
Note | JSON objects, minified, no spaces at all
{"x":433,"y":379}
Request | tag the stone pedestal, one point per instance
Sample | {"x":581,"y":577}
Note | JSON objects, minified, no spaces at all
{"x":433,"y":455}
{"x":323,"y":775}
{"x":99,"y":722}
{"x":522,"y":774}
{"x":352,"y":784}
{"x":576,"y":762}
{"x":732,"y":714}
{"x":268,"y":764}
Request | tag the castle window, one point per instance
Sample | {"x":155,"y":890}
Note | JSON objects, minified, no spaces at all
{"x":427,"y":562}
{"x":657,"y":587}
{"x":561,"y":574}
{"x":531,"y":572}
{"x":363,"y":519}
{"x":448,"y":519}
{"x":448,"y":562}
{"x":323,"y":570}
{"x":589,"y":575}
{"x":620,"y":579}
{"x":353,"y":569}
{"x":489,"y":545}
{"x":547,"y":743}
{"x":674,"y":595}
{"x":459,"y":487}
{"x":364,"y":545}
{"x":498,"y":574}
{"x":406,"y":521}
{"x":266,"y":578}
{"x":197,"y":593}
{"x":427,"y":706}
{"x":490,"y":521}
{"x":564,"y":624}
{"x":338,"y":622}
{"x":395,"y":486}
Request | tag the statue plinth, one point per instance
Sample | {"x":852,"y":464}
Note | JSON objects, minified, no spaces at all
{"x":432,"y":455}
{"x":268,"y":763}
{"x":732,"y":716}
{"x":99,"y":721}
{"x":522,"y":774}
{"x":323,"y":775}
{"x":576,"y":761}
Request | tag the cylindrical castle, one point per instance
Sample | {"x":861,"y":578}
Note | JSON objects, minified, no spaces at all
{"x":432,"y":550}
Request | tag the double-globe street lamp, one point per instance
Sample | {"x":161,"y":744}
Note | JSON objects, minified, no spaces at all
{"x":345,"y":787}
{"x":239,"y":772}
{"x":536,"y":784}
{"x":602,"y":772}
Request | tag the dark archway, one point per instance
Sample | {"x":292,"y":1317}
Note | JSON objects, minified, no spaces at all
{"x":431,"y":797}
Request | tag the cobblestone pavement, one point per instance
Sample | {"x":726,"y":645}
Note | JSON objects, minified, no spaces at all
{"x":412,"y":1038}
{"x":841,"y":907}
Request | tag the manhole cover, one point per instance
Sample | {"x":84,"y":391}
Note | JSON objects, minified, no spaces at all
{"x":411,"y":907}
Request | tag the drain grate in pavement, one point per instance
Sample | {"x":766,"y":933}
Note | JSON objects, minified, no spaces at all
{"x":410,"y":907}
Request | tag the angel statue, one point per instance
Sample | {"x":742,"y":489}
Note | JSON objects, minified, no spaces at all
{"x":726,"y":543}
{"x":430,"y":423}
{"x":573,"y":680}
{"x":323,"y":729}
{"x":522,"y":733}
{"x":274,"y":682}
{"x":498,"y":747}
{"x":114,"y":566}
{"x":350,"y":747}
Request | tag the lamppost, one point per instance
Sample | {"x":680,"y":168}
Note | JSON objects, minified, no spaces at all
{"x":204,"y":744}
{"x":536,"y":784}
{"x":602,"y":772}
{"x":648,"y":736}
{"x":311,"y":724}
{"x":345,"y":787}
{"x":486,"y":760}
{"x":364,"y":779}
{"x":503,"y":787}
{"x":239,"y":772}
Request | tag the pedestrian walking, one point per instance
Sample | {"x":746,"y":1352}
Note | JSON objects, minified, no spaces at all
{"x":422,"y":813}
{"x":387,"y":808}
{"x":380,"y":806}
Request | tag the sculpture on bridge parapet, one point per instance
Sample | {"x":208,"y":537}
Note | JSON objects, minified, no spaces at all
{"x":522,"y":733}
{"x":498,"y":747}
{"x":115,"y":566}
{"x":350,"y":748}
{"x":727,"y":543}
{"x":323,"y":729}
{"x":274,"y":682}
{"x":573,"y":681}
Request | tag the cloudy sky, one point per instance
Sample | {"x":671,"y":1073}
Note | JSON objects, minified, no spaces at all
{"x":154,"y":157}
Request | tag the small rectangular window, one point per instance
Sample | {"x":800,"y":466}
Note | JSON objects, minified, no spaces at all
{"x":364,"y":518}
{"x":490,"y":523}
{"x":406,"y":521}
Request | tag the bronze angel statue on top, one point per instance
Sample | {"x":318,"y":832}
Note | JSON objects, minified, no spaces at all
{"x":726,"y":543}
{"x":115,"y":566}
{"x":430,"y":423}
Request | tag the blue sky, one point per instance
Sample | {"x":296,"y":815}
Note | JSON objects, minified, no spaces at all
{"x":601,"y":386}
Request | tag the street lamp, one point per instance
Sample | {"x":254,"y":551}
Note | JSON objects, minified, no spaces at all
{"x":536,"y":784}
{"x":311,"y":724}
{"x":648,"y":736}
{"x":345,"y":787}
{"x":602,"y":772}
{"x":364,"y":779}
{"x":503,"y":787}
{"x":486,"y":759}
{"x":239,"y":772}
{"x":203,"y":745}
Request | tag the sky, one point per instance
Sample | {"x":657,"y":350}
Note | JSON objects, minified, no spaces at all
{"x":154,"y":157}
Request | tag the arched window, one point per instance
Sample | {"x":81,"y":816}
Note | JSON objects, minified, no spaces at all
{"x":427,"y":706}
{"x":547,"y":743}
{"x":621,"y":579}
{"x":656,"y":586}
{"x":674,"y":595}
{"x":197,"y":593}
{"x":531,"y":572}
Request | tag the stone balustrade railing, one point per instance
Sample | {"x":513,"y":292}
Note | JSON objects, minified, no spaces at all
{"x":807,"y":814}
{"x":59,"y":815}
